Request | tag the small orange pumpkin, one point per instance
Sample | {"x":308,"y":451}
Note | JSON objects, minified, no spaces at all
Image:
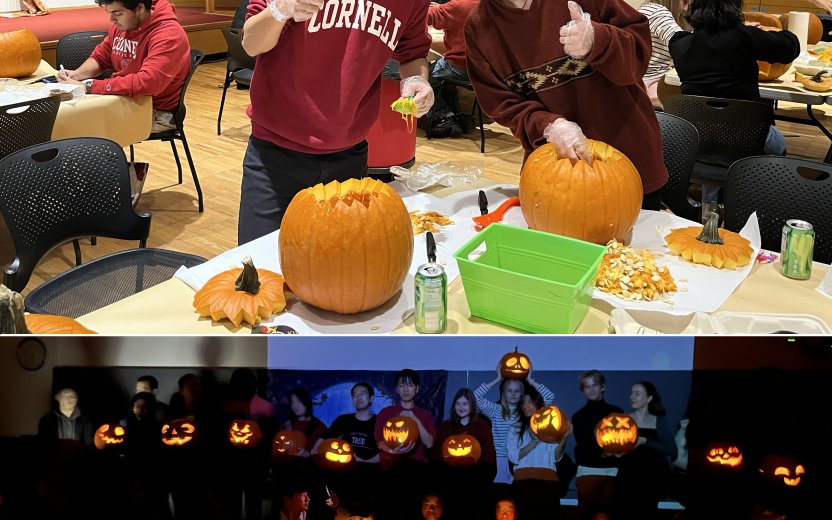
{"x":781,"y":468}
{"x":178,"y":432}
{"x":724,"y":454}
{"x":515,"y":365}
{"x":335,"y":453}
{"x":288,"y":442}
{"x":710,"y":245}
{"x":20,"y":54}
{"x":461,"y":450}
{"x":244,"y":433}
{"x":347,"y":246}
{"x":594,"y":203}
{"x":48,"y":324}
{"x":242,"y":295}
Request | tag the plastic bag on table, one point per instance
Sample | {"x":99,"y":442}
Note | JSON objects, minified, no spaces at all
{"x":445,"y":173}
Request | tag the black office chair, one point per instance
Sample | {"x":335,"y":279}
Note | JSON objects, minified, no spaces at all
{"x":453,"y":83}
{"x":74,"y":49}
{"x":27,"y":123}
{"x":239,"y":68}
{"x":178,"y":133}
{"x":680,"y":143}
{"x":774,"y":188}
{"x":729,"y":129}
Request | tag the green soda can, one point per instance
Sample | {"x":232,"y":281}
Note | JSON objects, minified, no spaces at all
{"x":431,"y":288}
{"x":796,"y":249}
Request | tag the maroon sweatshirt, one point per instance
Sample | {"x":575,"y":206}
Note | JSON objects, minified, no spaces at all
{"x":151,"y":60}
{"x":319,"y":89}
{"x":450,"y":17}
{"x":524,"y":80}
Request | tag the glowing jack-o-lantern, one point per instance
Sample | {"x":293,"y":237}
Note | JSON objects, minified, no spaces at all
{"x":399,"y":431}
{"x":461,"y":450}
{"x":288,"y":442}
{"x":723,"y":454}
{"x":109,"y":435}
{"x":515,"y":365}
{"x":549,"y":424}
{"x":178,"y":432}
{"x":335,"y":452}
{"x":244,"y":433}
{"x":616,"y":433}
{"x":777,"y":467}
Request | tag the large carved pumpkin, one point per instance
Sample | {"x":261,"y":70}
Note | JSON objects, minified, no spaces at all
{"x":398,"y":431}
{"x":346,"y":247}
{"x":19,"y":54}
{"x":549,"y":424}
{"x":724,"y":455}
{"x":288,"y":442}
{"x":461,"y":450}
{"x":782,"y":469}
{"x":48,"y":324}
{"x":617,"y":433}
{"x":815,"y":32}
{"x":244,"y":433}
{"x":335,"y":453}
{"x":594,"y":203}
{"x":109,"y":435}
{"x":178,"y":432}
{"x":515,"y":365}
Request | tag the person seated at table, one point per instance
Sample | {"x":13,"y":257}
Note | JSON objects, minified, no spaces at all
{"x":550,"y":81}
{"x":665,"y":17}
{"x":450,"y":17}
{"x":149,"y":52}
{"x":719,"y":59}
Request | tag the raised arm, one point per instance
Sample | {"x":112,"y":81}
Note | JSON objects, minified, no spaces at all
{"x":266,"y":21}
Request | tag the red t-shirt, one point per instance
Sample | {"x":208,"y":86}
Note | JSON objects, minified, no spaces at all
{"x":319,"y":90}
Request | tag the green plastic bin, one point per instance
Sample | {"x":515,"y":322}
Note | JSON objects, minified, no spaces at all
{"x":529,"y":280}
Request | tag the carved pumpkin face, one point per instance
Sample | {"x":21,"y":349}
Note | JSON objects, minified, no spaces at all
{"x":777,"y":467}
{"x":335,"y":452}
{"x":549,"y":424}
{"x":515,"y":365}
{"x":108,"y":435}
{"x":244,"y":434}
{"x":616,"y":433}
{"x":398,"y":431}
{"x":178,"y":432}
{"x":723,"y":454}
{"x":461,"y":450}
{"x":288,"y":442}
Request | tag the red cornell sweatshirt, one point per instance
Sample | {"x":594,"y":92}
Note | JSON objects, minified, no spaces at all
{"x":524,"y":80}
{"x":319,"y":89}
{"x":151,"y":60}
{"x":450,"y":17}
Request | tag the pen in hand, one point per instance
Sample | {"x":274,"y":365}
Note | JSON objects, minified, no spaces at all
{"x":62,"y":72}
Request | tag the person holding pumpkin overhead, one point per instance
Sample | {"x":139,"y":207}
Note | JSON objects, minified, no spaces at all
{"x":504,"y":415}
{"x":468,"y":480}
{"x":705,"y":69}
{"x":300,"y":403}
{"x":644,"y":473}
{"x":535,"y":472}
{"x":555,"y":71}
{"x":596,"y":471}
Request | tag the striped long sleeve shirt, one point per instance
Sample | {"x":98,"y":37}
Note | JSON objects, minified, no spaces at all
{"x":662,"y":27}
{"x":500,"y":426}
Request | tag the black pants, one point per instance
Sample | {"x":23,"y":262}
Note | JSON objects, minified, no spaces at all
{"x":273,"y":175}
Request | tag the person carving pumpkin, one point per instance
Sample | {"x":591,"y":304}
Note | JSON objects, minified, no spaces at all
{"x":559,"y":72}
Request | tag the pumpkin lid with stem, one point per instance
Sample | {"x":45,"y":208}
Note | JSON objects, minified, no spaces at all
{"x":710,"y":245}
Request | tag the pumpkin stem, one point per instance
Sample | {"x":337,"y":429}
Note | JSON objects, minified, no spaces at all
{"x":710,"y":231}
{"x":11,"y":312}
{"x":248,"y":280}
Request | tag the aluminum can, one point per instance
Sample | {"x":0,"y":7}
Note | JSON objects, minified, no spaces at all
{"x":431,"y":285}
{"x":796,"y":249}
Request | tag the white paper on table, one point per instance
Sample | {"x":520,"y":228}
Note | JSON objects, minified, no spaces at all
{"x":702,"y":288}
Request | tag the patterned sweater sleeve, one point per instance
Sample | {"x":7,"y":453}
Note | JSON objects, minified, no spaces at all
{"x":486,"y":407}
{"x":548,"y":395}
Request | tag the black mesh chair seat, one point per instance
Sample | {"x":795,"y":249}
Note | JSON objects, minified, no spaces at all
{"x":239,"y":68}
{"x":453,"y":83}
{"x":680,"y":143}
{"x":106,"y":280}
{"x":27,"y":123}
{"x":729,"y":129}
{"x":776,"y":190}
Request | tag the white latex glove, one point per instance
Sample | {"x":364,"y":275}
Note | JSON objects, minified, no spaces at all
{"x":568,"y":139}
{"x":299,"y":10}
{"x":420,"y":90}
{"x":577,"y":36}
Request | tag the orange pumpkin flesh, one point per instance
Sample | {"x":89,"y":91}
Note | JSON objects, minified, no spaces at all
{"x":20,"y":54}
{"x":823,"y":84}
{"x":593,"y":203}
{"x":48,"y":324}
{"x":346,"y":246}
{"x":242,"y":295}
{"x":710,"y":245}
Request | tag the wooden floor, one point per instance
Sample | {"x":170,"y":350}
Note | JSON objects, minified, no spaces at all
{"x":177,"y":224}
